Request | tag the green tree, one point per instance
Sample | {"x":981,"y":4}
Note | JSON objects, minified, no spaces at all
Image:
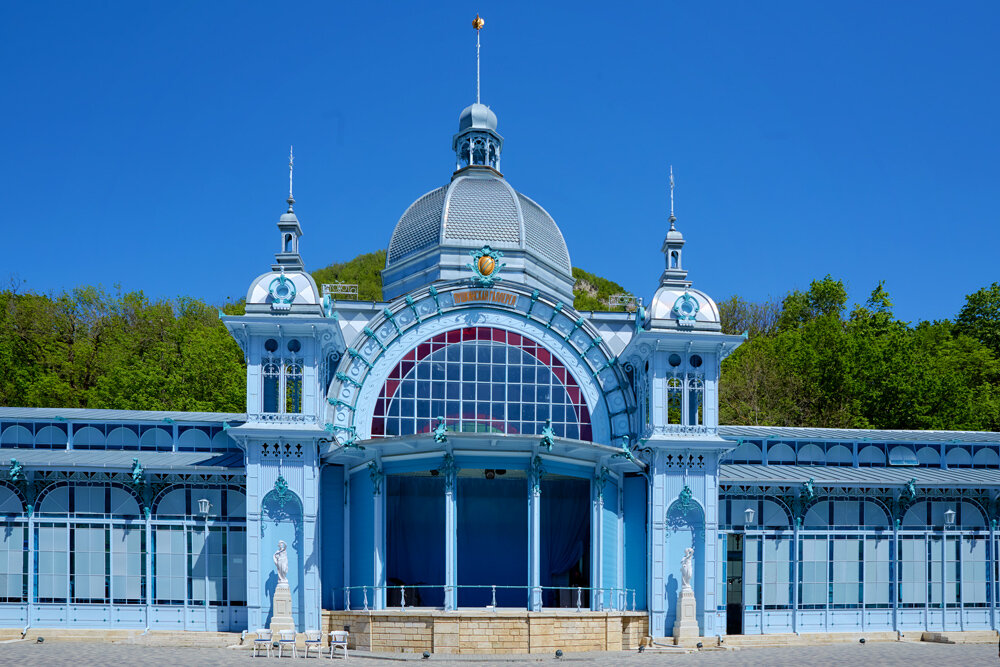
{"x":980,"y":317}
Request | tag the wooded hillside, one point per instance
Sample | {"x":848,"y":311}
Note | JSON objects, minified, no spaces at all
{"x":809,"y":361}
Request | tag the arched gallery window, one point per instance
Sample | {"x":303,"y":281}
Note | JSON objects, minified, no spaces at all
{"x":282,"y":378}
{"x":481,"y":379}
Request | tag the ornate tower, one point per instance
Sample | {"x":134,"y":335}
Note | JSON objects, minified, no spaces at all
{"x":291,"y":340}
{"x":676,"y":353}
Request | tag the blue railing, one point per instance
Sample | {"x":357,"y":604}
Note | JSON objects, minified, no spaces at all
{"x":618,"y":599}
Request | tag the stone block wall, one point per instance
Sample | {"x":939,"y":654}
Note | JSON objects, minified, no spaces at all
{"x":420,"y":630}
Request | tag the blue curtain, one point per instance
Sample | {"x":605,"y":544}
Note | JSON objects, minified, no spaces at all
{"x":565,"y":538}
{"x":415,"y":539}
{"x":493,"y":540}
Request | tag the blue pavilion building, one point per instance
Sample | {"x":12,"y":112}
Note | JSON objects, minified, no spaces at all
{"x":475,"y":448}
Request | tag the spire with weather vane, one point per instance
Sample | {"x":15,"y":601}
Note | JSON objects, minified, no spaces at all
{"x":478,"y":24}
{"x":288,"y":256}
{"x":673,"y":246}
{"x":291,"y":165}
{"x":477,"y":143}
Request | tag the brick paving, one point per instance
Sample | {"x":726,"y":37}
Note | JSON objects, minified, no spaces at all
{"x":888,"y":654}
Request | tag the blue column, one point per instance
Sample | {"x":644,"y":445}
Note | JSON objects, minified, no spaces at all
{"x":534,"y":548}
{"x":535,"y":536}
{"x":450,"y":537}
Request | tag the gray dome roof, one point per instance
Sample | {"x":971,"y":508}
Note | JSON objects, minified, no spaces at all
{"x":477,"y":116}
{"x":479,"y":208}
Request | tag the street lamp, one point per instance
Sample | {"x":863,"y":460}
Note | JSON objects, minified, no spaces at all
{"x":949,"y":520}
{"x":204,"y":506}
{"x":748,"y":516}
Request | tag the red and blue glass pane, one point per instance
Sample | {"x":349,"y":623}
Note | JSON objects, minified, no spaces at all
{"x":481,"y":379}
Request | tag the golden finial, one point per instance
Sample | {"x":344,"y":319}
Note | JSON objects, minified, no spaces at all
{"x":478,"y":23}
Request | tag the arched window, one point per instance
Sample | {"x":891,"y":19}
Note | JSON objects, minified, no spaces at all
{"x":674,"y":410}
{"x":696,"y":401}
{"x":481,"y":379}
{"x":293,"y":387}
{"x":272,"y":379}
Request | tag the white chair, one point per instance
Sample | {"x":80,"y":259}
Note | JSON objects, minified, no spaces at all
{"x":314,"y":639}
{"x":338,"y":638}
{"x":261,"y":640}
{"x":287,"y":638}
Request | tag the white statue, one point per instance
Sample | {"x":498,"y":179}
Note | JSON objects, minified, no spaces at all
{"x":281,"y":562}
{"x":687,"y":568}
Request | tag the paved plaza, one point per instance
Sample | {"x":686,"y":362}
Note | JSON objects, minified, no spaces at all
{"x":903,"y":654}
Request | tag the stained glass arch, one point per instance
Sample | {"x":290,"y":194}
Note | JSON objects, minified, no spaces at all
{"x":481,"y":379}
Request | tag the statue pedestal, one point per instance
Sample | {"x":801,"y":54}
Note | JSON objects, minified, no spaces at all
{"x":686,"y":631}
{"x":281,"y":616}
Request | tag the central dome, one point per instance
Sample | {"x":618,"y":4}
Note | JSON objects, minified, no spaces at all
{"x":477,"y":208}
{"x":437,"y":234}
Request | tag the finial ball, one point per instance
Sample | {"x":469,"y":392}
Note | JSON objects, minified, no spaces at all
{"x":478,"y":23}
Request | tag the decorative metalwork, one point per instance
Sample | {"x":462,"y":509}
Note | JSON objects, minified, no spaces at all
{"x":343,"y":377}
{"x":807,"y":489}
{"x":349,"y":443}
{"x":536,"y":472}
{"x":685,"y":499}
{"x":600,"y":479}
{"x":486,"y":265}
{"x":376,"y":474}
{"x":282,"y":292}
{"x":548,"y":435}
{"x":138,"y":475}
{"x":686,"y":307}
{"x":338,"y":288}
{"x":16,"y":471}
{"x":625,"y":299}
{"x":448,"y":470}
{"x":626,"y":452}
{"x":440,"y":431}
{"x":281,"y":491}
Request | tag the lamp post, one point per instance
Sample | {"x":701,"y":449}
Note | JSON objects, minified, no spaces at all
{"x":204,"y":506}
{"x":949,"y":521}
{"x":748,"y":517}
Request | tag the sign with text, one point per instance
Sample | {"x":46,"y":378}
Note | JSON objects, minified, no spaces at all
{"x":485,"y":296}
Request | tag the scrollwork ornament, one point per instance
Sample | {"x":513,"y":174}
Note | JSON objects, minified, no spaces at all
{"x":376,"y":474}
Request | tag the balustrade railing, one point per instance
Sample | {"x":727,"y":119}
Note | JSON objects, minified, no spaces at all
{"x":604,"y":599}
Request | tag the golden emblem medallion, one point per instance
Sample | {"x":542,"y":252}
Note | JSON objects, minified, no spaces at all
{"x":486,"y":265}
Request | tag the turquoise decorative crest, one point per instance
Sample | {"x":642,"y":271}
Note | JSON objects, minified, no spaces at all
{"x":685,"y":498}
{"x":440,"y":431}
{"x":486,"y":266}
{"x":282,"y":291}
{"x":16,"y":471}
{"x":138,"y":478}
{"x":281,"y":491}
{"x":548,"y":435}
{"x":686,"y":307}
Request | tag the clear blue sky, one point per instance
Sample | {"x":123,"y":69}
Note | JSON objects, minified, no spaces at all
{"x":146,"y":143}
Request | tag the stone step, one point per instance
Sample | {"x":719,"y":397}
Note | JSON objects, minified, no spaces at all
{"x":966,"y":637}
{"x":810,"y":638}
{"x":152,"y":638}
